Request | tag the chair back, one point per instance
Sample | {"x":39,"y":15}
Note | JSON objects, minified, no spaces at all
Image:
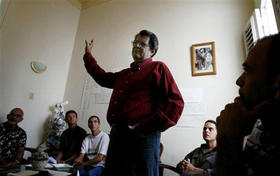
{"x":163,"y":166}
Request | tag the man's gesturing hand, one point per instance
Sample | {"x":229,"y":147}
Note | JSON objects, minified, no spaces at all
{"x":88,"y":46}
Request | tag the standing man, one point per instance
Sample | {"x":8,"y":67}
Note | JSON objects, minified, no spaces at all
{"x":71,"y":139}
{"x":144,"y":102}
{"x":201,"y":161}
{"x":12,"y":139}
{"x":95,"y":148}
{"x":257,"y":108}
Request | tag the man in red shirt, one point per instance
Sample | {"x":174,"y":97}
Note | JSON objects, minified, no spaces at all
{"x":144,"y":102}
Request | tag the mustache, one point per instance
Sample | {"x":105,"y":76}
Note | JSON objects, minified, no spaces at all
{"x":240,"y":94}
{"x":245,"y":100}
{"x":12,"y":122}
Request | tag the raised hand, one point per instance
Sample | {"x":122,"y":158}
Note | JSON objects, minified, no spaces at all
{"x":89,"y":46}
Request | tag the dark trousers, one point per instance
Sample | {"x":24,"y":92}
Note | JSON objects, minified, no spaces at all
{"x":131,"y":155}
{"x":91,"y":171}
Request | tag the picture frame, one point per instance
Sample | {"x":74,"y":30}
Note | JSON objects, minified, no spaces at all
{"x":203,"y":59}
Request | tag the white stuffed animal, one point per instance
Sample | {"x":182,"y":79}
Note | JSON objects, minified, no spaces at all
{"x":57,"y":125}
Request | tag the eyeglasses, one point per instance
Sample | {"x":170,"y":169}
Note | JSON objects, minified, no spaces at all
{"x":14,"y":115}
{"x":141,"y":44}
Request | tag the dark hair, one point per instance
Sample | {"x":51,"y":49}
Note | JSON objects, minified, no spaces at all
{"x":211,"y":121}
{"x":94,"y":117}
{"x":19,"y":109}
{"x":153,"y":42}
{"x":273,"y":59}
{"x":71,"y":111}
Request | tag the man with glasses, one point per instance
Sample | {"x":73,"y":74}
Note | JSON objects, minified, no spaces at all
{"x":145,"y":101}
{"x":12,"y":140}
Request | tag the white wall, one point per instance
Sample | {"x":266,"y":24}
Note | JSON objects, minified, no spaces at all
{"x":43,"y":31}
{"x":178,"y":24}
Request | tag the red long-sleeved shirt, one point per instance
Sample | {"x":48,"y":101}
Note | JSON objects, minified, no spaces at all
{"x":145,"y":94}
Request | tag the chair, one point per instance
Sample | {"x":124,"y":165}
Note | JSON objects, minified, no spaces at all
{"x":163,"y":166}
{"x":166,"y":166}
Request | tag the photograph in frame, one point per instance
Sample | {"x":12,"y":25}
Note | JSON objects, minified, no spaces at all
{"x":203,"y":59}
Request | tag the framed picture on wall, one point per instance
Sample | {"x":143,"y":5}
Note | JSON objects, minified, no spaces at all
{"x":203,"y":59}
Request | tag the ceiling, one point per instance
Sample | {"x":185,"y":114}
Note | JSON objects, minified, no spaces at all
{"x":84,"y":4}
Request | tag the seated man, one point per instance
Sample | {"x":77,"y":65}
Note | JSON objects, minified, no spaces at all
{"x":255,"y":112}
{"x":95,"y":148}
{"x":71,"y":139}
{"x":12,"y":140}
{"x":201,"y":160}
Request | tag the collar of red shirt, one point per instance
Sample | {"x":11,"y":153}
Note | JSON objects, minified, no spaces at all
{"x":139,"y":66}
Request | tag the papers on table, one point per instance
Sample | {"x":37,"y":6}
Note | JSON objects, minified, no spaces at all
{"x":23,"y":173}
{"x":52,"y":160}
{"x":57,"y":166}
{"x":53,"y":169}
{"x":31,"y":172}
{"x":62,"y":167}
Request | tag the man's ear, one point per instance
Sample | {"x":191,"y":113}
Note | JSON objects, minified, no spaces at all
{"x":152,"y":52}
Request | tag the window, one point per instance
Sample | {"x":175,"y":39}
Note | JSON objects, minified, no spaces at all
{"x":261,"y":23}
{"x":268,"y":17}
